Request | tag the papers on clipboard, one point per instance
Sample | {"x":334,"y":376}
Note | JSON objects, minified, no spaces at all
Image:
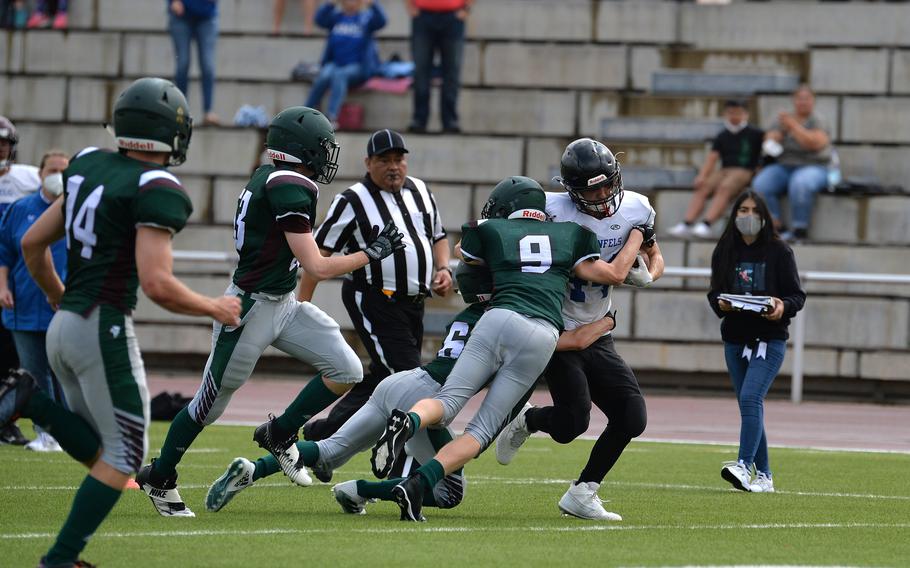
{"x":747,"y":303}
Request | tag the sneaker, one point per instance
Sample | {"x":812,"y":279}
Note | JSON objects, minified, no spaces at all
{"x":38,"y":20}
{"x":762,"y":483}
{"x":351,"y":502}
{"x":512,"y":437}
{"x":737,"y":473}
{"x":285,"y":451}
{"x":322,"y":472}
{"x":409,"y":496}
{"x":61,"y":21}
{"x":391,"y":443}
{"x":15,"y":391}
{"x":680,"y":230}
{"x":77,"y":564}
{"x":164,"y":495}
{"x":13,"y":436}
{"x":239,"y":476}
{"x":702,"y":230}
{"x":44,"y":443}
{"x":581,"y":501}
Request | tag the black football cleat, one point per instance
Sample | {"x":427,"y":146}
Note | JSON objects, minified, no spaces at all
{"x":391,"y":444}
{"x":409,"y":496}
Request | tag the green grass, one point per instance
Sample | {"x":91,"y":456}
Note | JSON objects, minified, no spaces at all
{"x":831,"y":508}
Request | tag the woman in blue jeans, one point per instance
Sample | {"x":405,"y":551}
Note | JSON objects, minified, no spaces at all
{"x":750,"y":258}
{"x":351,"y":56}
{"x":189,"y":20}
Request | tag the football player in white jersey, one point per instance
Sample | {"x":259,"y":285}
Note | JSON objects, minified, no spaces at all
{"x":595,"y":199}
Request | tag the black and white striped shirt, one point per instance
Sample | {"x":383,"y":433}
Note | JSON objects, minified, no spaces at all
{"x":355,"y":212}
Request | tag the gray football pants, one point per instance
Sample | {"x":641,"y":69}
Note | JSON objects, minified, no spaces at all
{"x":512,"y":349}
{"x":300,"y":329}
{"x":401,"y":390}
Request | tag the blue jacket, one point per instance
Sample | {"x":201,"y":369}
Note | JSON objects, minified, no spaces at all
{"x":31,"y":311}
{"x":351,"y":37}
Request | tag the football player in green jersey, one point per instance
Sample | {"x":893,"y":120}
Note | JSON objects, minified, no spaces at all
{"x":273,"y":234}
{"x":531,"y":261}
{"x":400,"y":390}
{"x":118,"y":214}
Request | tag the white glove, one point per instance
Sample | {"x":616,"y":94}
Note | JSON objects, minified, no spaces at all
{"x":638,"y":274}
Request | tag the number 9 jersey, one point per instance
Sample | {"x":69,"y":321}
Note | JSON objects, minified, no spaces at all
{"x":531,"y":261}
{"x":107,"y":196}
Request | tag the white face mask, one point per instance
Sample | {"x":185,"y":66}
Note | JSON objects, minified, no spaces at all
{"x":734,"y":128}
{"x":53,"y":184}
{"x":749,"y":225}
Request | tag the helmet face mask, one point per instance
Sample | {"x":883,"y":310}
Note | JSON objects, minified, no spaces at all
{"x":586,"y":167}
{"x":302,"y":135}
{"x":152,"y":115}
{"x":516,"y":197}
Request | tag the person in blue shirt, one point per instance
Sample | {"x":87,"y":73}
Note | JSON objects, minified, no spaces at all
{"x":26,"y":312}
{"x":351,"y":55}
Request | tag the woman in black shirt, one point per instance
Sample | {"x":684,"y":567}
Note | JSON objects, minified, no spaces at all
{"x":750,"y":258}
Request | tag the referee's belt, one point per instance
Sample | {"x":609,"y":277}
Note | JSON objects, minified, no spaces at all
{"x":399,"y":297}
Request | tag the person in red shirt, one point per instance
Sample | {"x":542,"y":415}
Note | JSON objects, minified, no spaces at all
{"x":437,"y":26}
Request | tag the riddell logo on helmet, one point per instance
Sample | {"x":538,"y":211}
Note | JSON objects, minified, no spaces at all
{"x":534,"y":214}
{"x":276,"y":155}
{"x":596,"y":179}
{"x":137,"y":145}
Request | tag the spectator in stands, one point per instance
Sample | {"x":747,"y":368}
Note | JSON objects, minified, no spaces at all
{"x":16,"y":181}
{"x":306,"y":8}
{"x":350,"y":56}
{"x":49,"y":13}
{"x":189,"y":20}
{"x":738,"y":147}
{"x":13,"y":14}
{"x":437,"y":26}
{"x":801,"y":143}
{"x":750,"y":258}
{"x":26,"y":312}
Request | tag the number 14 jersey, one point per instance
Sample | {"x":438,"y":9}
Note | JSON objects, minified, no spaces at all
{"x":531,"y":262}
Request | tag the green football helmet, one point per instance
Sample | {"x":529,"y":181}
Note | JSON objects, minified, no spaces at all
{"x":302,"y":135}
{"x":151,"y":115}
{"x":475,"y":283}
{"x":516,"y":197}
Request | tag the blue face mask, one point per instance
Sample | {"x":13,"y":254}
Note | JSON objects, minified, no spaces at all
{"x":749,"y":225}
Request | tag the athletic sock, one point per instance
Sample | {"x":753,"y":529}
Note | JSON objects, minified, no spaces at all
{"x":265,"y":466}
{"x":536,"y":418}
{"x":311,"y":400}
{"x":309,"y":452}
{"x":72,"y":432}
{"x":93,"y":501}
{"x":431,"y":472}
{"x":180,"y":436}
{"x":415,"y":422}
{"x":381,"y":490}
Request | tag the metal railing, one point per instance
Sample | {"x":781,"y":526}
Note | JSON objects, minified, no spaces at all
{"x":799,"y":322}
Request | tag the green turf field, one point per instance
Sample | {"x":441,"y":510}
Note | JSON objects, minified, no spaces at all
{"x":831,"y":508}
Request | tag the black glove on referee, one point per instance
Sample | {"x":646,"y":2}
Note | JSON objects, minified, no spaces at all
{"x":385,"y":242}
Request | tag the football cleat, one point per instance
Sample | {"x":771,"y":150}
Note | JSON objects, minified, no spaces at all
{"x":351,"y":502}
{"x":737,"y":473}
{"x":13,"y":436}
{"x":15,"y":391}
{"x":44,"y":443}
{"x":77,"y":564}
{"x":164,"y":494}
{"x":239,"y":476}
{"x":409,"y":496}
{"x":512,"y":437}
{"x":762,"y":483}
{"x":391,"y":443}
{"x":581,"y":501}
{"x":284,"y":448}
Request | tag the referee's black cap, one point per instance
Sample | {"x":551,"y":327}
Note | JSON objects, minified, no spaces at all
{"x":384,"y":140}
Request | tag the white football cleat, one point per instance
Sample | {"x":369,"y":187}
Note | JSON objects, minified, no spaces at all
{"x":512,"y":437}
{"x":702,"y":230}
{"x":680,"y":230}
{"x":762,"y":483}
{"x":299,"y":474}
{"x":351,"y":502}
{"x":582,"y":501}
{"x":737,"y":473}
{"x":164,"y":494}
{"x":239,"y":476}
{"x":44,"y":443}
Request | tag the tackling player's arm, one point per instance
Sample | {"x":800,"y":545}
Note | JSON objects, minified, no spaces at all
{"x":583,"y":336}
{"x":48,"y":229}
{"x":155,"y":265}
{"x":380,"y":245}
{"x":615,"y":271}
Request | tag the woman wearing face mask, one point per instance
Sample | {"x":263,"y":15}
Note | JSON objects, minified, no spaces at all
{"x":26,"y":312}
{"x":750,"y":258}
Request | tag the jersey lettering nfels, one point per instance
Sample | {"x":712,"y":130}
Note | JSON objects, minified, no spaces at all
{"x":106,"y":197}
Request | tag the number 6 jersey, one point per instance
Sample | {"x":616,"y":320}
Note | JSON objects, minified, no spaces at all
{"x":106,"y":197}
{"x":530,"y":260}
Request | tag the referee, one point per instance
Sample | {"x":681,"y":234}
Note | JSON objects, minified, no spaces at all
{"x":384,"y":299}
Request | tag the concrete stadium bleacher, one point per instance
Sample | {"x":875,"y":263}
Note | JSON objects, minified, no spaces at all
{"x":537,"y":74}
